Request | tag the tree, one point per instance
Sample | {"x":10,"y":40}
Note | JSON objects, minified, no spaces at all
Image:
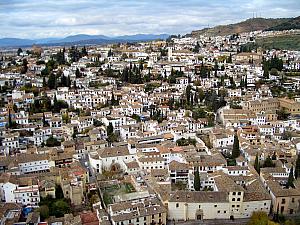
{"x":287,"y":135}
{"x":52,"y":142}
{"x":44,"y":212}
{"x":188,"y":94}
{"x":63,"y":81}
{"x":260,"y":218}
{"x":44,"y":82}
{"x":290,"y":182}
{"x":257,"y":164}
{"x":236,"y":147}
{"x":229,"y":59}
{"x":282,"y":114}
{"x":59,"y":194}
{"x":24,"y":67}
{"x":69,"y":81}
{"x":113,"y":101}
{"x":61,"y":208}
{"x":9,"y":119}
{"x":55,"y":104}
{"x":110,"y":129}
{"x":84,"y":51}
{"x":52,"y":81}
{"x":268,"y":162}
{"x":78,"y":73}
{"x":297,"y":168}
{"x":45,"y":123}
{"x":110,"y":53}
{"x":199,"y":113}
{"x":266,"y":73}
{"x":197,"y":180}
{"x":19,"y":51}
{"x":274,"y":157}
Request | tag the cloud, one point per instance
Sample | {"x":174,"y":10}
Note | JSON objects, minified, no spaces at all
{"x":52,"y":18}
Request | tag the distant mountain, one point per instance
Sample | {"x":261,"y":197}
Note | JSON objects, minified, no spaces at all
{"x":80,"y":39}
{"x":248,"y":25}
{"x":6,"y":42}
{"x":140,"y":37}
{"x":290,"y":24}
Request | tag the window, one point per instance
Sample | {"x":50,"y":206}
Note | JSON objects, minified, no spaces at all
{"x":177,"y":205}
{"x":239,"y":193}
{"x":219,"y":211}
{"x":283,"y":201}
{"x":216,"y":206}
{"x":233,"y":199}
{"x":238,"y":206}
{"x":233,"y":193}
{"x":233,"y":206}
{"x":293,"y":200}
{"x":238,"y":199}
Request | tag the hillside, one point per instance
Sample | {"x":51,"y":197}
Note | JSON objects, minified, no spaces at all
{"x":293,"y":23}
{"x":244,"y":26}
{"x":287,"y":42}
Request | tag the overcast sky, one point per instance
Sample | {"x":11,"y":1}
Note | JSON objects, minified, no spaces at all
{"x":60,"y":18}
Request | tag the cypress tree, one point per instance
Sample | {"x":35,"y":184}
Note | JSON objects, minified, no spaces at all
{"x":257,"y":164}
{"x":77,"y":73}
{"x":290,"y":182}
{"x":55,"y":105}
{"x":9,"y":119}
{"x":297,"y":168}
{"x":69,"y":81}
{"x":44,"y":82}
{"x":236,"y":147}
{"x":110,"y":129}
{"x":197,"y":180}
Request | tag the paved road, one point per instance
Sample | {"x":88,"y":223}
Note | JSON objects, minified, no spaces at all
{"x":212,"y":222}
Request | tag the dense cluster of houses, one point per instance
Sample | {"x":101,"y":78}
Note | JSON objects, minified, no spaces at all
{"x":111,"y":132}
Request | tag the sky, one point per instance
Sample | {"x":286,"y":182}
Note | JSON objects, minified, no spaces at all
{"x":34,"y":19}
